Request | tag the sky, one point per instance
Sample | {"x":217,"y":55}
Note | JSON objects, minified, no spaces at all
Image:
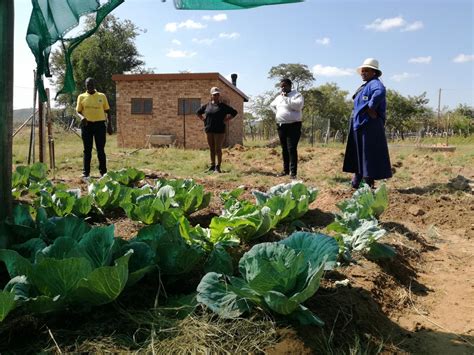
{"x":421,"y":45}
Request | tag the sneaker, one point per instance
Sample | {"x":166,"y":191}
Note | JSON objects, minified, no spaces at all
{"x":283,"y":173}
{"x":293,"y":177}
{"x":218,"y":169}
{"x":211,"y":169}
{"x":85,"y":177}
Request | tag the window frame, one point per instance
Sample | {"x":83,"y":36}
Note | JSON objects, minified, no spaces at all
{"x":141,"y":102}
{"x":188,"y":105}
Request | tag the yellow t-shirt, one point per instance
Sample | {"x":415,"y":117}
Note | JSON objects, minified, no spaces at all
{"x":93,"y":107}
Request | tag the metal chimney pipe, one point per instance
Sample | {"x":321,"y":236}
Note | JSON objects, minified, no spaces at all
{"x":234,"y":79}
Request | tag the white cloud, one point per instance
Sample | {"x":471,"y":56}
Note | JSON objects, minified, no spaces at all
{"x":176,"y":42}
{"x":387,"y":24}
{"x":171,"y":27}
{"x":188,"y":24}
{"x":205,"y":41}
{"x":323,"y":41}
{"x":217,"y":18}
{"x":403,"y":76}
{"x":464,"y":58}
{"x":173,"y":53}
{"x":321,"y":70}
{"x":415,"y":26}
{"x":420,"y":60}
{"x":233,"y":35}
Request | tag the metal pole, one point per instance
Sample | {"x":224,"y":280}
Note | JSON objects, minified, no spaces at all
{"x":7,"y":16}
{"x":184,"y":123}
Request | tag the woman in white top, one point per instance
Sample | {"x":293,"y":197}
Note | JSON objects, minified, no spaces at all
{"x":287,"y":107}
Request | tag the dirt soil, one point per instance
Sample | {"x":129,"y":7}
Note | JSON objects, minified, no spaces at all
{"x":420,"y":302}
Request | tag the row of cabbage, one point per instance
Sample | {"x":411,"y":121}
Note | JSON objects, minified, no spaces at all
{"x":153,"y":203}
{"x":116,"y":190}
{"x":63,"y":263}
{"x":275,"y":276}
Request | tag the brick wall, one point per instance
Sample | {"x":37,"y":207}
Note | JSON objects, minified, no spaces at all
{"x":133,"y":129}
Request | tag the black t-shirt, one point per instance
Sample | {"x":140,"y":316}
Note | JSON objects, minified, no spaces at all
{"x":215,"y":114}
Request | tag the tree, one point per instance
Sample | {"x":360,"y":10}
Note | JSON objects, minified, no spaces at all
{"x":464,"y":110}
{"x":326,"y":102}
{"x":403,"y":113}
{"x":461,"y":119}
{"x":250,"y":124}
{"x":111,"y":50}
{"x":260,"y":108}
{"x":299,"y":74}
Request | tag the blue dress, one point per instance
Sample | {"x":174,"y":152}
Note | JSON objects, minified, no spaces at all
{"x":366,"y":149}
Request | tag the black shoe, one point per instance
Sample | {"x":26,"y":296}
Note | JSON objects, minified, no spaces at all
{"x":355,"y":182}
{"x":211,"y":169}
{"x":218,"y":169}
{"x":293,"y":176}
{"x":283,"y":173}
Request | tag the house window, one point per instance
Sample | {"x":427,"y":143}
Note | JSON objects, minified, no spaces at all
{"x":188,"y":106}
{"x":142,"y":106}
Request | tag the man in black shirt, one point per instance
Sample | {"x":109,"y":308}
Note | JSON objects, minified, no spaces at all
{"x":215,"y":114}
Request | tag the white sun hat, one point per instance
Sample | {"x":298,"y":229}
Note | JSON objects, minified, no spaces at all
{"x":371,"y":63}
{"x":215,"y":90}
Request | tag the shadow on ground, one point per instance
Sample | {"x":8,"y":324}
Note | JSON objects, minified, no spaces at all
{"x":407,"y":233}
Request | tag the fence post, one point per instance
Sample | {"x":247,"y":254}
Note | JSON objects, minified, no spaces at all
{"x":327,"y":132}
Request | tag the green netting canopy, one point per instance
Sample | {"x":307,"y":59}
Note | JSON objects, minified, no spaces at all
{"x":226,"y":4}
{"x":50,"y":21}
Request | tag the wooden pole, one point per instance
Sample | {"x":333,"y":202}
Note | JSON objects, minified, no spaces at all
{"x":41,"y":130}
{"x":7,"y":16}
{"x":49,"y":123}
{"x":31,"y":151}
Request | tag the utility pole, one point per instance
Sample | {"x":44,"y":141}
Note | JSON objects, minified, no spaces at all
{"x":7,"y":16}
{"x":439,"y":110}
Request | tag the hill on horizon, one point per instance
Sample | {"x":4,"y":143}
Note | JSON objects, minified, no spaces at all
{"x":21,"y":115}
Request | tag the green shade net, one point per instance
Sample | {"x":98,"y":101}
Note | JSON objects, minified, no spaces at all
{"x":226,"y":4}
{"x":49,"y":22}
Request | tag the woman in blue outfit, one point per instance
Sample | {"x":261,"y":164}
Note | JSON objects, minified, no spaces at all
{"x":367,"y":151}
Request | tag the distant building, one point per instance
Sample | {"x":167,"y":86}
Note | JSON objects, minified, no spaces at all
{"x":159,"y":109}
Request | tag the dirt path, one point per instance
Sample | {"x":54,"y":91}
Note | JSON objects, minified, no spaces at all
{"x":442,"y":321}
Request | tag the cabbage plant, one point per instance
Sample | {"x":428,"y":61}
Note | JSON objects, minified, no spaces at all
{"x":71,"y":272}
{"x":357,"y":227}
{"x":277,"y":277}
{"x":126,"y":176}
{"x":24,"y":176}
{"x":287,"y":202}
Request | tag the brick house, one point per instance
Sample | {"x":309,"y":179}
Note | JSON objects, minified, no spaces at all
{"x":156,"y":109}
